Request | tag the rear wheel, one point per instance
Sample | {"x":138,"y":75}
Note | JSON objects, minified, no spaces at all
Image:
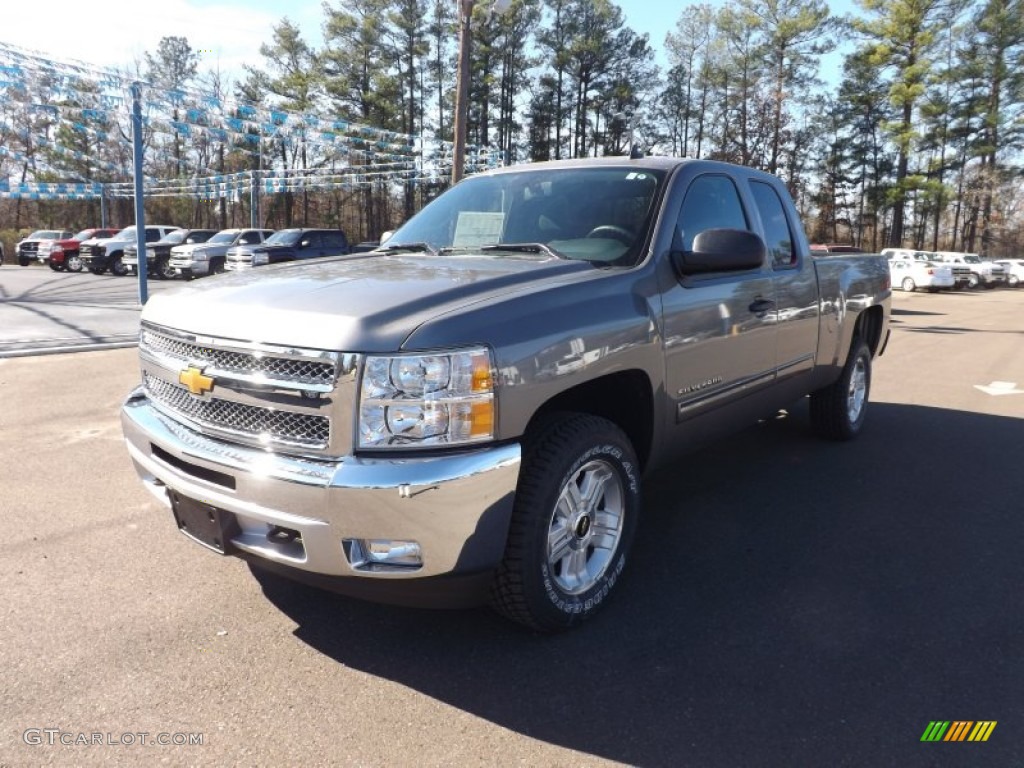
{"x":573,"y":521}
{"x":1013,"y":281}
{"x":909,"y":285}
{"x":838,"y":410}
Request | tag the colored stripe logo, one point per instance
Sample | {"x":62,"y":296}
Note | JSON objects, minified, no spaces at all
{"x":959,"y":730}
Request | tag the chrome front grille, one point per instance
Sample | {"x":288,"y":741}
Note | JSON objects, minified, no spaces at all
{"x":251,"y":365}
{"x":298,"y":399}
{"x":262,"y":424}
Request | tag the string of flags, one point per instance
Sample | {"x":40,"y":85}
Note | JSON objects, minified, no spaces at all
{"x":92,"y":105}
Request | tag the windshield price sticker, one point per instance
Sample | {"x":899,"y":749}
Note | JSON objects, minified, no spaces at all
{"x":475,"y":228}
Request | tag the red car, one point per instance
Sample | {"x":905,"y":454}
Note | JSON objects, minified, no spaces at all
{"x":62,"y":255}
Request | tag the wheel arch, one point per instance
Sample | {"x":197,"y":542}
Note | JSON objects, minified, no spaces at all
{"x":625,"y":398}
{"x":869,"y":327}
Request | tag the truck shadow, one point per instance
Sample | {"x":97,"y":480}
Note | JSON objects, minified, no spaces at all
{"x":789,"y":602}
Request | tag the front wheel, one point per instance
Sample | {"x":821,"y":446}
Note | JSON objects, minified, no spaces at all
{"x":838,"y":410}
{"x":164,"y":270}
{"x":573,"y":521}
{"x":55,"y":266}
{"x":117,"y":266}
{"x":973,"y":281}
{"x":73,"y":262}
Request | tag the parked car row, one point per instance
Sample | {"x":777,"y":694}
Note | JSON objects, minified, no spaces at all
{"x":175,"y":252}
{"x":969,"y":270}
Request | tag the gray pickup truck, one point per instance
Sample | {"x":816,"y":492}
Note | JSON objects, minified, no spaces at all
{"x":465,"y":414}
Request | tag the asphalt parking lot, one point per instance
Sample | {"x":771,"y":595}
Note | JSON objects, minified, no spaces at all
{"x":42,"y":311}
{"x":789,"y":602}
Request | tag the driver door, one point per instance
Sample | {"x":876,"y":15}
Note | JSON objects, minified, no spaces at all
{"x":720,"y":329}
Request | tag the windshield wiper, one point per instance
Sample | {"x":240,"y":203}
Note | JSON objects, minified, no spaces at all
{"x":525,"y":248}
{"x":416,"y":247}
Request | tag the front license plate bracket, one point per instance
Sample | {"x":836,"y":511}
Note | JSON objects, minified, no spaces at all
{"x":204,"y":523}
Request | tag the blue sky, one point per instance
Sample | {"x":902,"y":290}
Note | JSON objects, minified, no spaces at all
{"x":232,"y":30}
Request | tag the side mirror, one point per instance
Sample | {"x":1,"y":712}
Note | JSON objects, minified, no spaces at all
{"x":721,"y":250}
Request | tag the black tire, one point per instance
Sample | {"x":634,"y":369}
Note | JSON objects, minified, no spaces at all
{"x":217,"y":267}
{"x":163,"y":268}
{"x":55,"y":266}
{"x":909,"y":284}
{"x":838,"y":411}
{"x":72,"y":262}
{"x":117,"y":266}
{"x":973,"y":281}
{"x":531,"y":588}
{"x":24,"y":261}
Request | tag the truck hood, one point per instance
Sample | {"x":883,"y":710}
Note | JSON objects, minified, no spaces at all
{"x":365,"y":303}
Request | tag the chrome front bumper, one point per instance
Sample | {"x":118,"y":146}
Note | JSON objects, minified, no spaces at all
{"x":189,"y":266}
{"x":456,"y":506}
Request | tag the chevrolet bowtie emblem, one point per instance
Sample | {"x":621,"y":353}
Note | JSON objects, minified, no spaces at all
{"x":193,"y":378}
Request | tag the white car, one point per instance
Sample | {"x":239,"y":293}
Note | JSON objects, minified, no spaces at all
{"x":910,"y":275}
{"x":1014,"y":271}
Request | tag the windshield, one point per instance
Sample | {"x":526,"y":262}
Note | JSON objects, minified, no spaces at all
{"x":972,"y":260}
{"x":175,"y":237}
{"x":595,"y":214}
{"x":44,"y":234}
{"x":85,"y":234}
{"x":128,"y":233}
{"x":226,"y":236}
{"x":284,"y":237}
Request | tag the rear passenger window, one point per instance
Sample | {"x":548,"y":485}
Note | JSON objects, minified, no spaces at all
{"x":711,"y":202}
{"x":778,"y":237}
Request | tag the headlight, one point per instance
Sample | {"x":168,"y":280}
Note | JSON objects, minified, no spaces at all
{"x":259,"y":258}
{"x":427,"y":400}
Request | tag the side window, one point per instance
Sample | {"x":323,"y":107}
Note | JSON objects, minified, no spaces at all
{"x":711,"y":202}
{"x":335,"y":240}
{"x":152,"y":235}
{"x":778,"y":237}
{"x":311,"y":240}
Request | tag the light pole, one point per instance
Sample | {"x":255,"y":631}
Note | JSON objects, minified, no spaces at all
{"x":499,"y":7}
{"x":462,"y":89}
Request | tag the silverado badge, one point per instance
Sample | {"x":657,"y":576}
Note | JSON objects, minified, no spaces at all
{"x":194,"y":380}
